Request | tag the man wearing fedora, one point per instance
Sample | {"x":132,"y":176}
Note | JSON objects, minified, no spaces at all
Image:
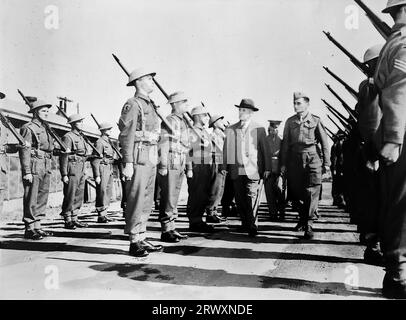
{"x":199,"y":184}
{"x":301,"y":162}
{"x":274,"y":185}
{"x":245,"y":157}
{"x":390,"y":81}
{"x":173,"y":162}
{"x":36,"y":164}
{"x":139,"y":133}
{"x":103,"y":172}
{"x":218,"y":170}
{"x":72,"y":168}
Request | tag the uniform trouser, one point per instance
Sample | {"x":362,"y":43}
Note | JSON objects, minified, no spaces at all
{"x":123,"y":194}
{"x":140,"y":196}
{"x":74,"y":190}
{"x":104,"y":189}
{"x":393,"y":215}
{"x":274,"y":195}
{"x":198,"y":189}
{"x":246,"y":191}
{"x":217,"y":184}
{"x":304,"y":181}
{"x":170,"y":190}
{"x":36,"y":193}
{"x":3,"y":181}
{"x":337,"y":188}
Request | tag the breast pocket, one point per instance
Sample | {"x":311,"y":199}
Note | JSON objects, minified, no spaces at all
{"x":309,"y":130}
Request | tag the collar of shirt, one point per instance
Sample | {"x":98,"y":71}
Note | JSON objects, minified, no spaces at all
{"x":178,"y":115}
{"x":37,"y":122}
{"x":244,"y":124}
{"x":105,"y":138}
{"x":398,"y":27}
{"x":74,"y":131}
{"x":142,"y":96}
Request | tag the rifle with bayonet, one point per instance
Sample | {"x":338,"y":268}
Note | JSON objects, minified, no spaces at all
{"x":330,"y":134}
{"x":361,"y":66}
{"x":110,"y":142}
{"x":350,"y":111}
{"x":338,"y":115}
{"x":7,"y":123}
{"x":46,"y":126}
{"x":163,"y":119}
{"x":82,"y":134}
{"x":335,"y":123}
{"x":352,"y":91}
{"x":380,"y":25}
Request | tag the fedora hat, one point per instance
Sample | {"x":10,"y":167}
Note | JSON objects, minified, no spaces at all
{"x":247,"y":104}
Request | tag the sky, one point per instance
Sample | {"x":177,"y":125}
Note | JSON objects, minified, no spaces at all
{"x":216,"y":51}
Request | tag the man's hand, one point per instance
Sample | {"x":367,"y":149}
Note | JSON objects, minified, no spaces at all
{"x":267,"y":174}
{"x":163,"y":172}
{"x":283,"y":170}
{"x":28,"y":178}
{"x":97,"y":180}
{"x":372,"y":165}
{"x":189,"y":174}
{"x":325,"y":171}
{"x":223,"y":172}
{"x":65,"y":179}
{"x":128,"y":171}
{"x":390,"y":153}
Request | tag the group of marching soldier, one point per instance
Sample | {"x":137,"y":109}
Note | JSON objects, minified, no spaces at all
{"x":224,"y":162}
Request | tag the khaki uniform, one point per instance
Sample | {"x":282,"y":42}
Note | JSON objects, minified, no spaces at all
{"x":139,"y":134}
{"x":36,"y":160}
{"x":303,"y":164}
{"x":199,"y":185}
{"x":103,"y":168}
{"x":173,"y":156}
{"x":73,"y":166}
{"x":275,"y":194}
{"x":218,"y":179}
{"x":390,"y":79}
{"x":3,"y":164}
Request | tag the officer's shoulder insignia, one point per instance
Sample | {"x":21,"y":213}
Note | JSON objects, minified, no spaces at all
{"x":400,"y":65}
{"x":126,"y":109}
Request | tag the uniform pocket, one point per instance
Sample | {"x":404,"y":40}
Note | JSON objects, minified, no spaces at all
{"x":72,"y":168}
{"x":142,"y":155}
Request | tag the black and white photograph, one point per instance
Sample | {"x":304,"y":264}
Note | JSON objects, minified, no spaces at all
{"x":218,"y":151}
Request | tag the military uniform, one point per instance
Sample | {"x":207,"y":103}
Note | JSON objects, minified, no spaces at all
{"x":73,"y":166}
{"x":173,"y":156}
{"x":199,"y":185}
{"x":37,"y":161}
{"x":103,"y":168}
{"x":303,"y":163}
{"x":275,"y":194}
{"x":3,"y":164}
{"x":390,"y":80}
{"x":337,"y":162}
{"x":139,"y":134}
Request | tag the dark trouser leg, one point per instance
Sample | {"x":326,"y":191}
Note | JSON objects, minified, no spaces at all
{"x":140,"y":191}
{"x":296,"y":176}
{"x":228,"y":196}
{"x":272,"y":194}
{"x":245,"y":194}
{"x":170,"y":189}
{"x":199,"y":188}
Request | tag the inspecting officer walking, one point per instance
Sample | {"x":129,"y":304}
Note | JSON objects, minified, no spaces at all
{"x":301,"y":162}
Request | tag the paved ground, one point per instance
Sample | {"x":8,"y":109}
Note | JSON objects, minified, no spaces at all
{"x":93,"y":263}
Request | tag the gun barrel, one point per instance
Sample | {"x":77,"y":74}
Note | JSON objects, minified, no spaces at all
{"x":13,"y":130}
{"x":352,"y":91}
{"x":380,"y":25}
{"x":345,"y":105}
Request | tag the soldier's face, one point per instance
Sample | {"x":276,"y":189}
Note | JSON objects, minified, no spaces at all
{"x":219,"y":124}
{"x":244,"y":114}
{"x":300,"y":105}
{"x":43,"y":113}
{"x":204,"y":118}
{"x":79,"y":124}
{"x":146,"y":84}
{"x":273,"y":130}
{"x":182,"y":106}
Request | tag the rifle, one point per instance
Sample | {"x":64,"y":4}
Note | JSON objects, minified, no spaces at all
{"x":330,"y":133}
{"x":338,"y":127}
{"x":361,"y":66}
{"x":379,"y":25}
{"x":352,"y":91}
{"x":82,"y":134}
{"x":13,"y":130}
{"x":350,"y":111}
{"x":338,"y":115}
{"x":46,"y":125}
{"x":111,"y":143}
{"x":163,"y":119}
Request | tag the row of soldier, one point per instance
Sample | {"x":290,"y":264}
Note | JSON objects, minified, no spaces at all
{"x":368,"y":157}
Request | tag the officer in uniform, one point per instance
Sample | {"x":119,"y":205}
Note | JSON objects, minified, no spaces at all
{"x":218,"y":170}
{"x":301,"y":162}
{"x":72,"y":168}
{"x":103,"y":173}
{"x":369,"y":116}
{"x":139,"y":134}
{"x":274,"y":188}
{"x":36,"y":163}
{"x":245,"y":155}
{"x":200,"y":182}
{"x":390,"y":80}
{"x":336,"y":168}
{"x":173,"y":161}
